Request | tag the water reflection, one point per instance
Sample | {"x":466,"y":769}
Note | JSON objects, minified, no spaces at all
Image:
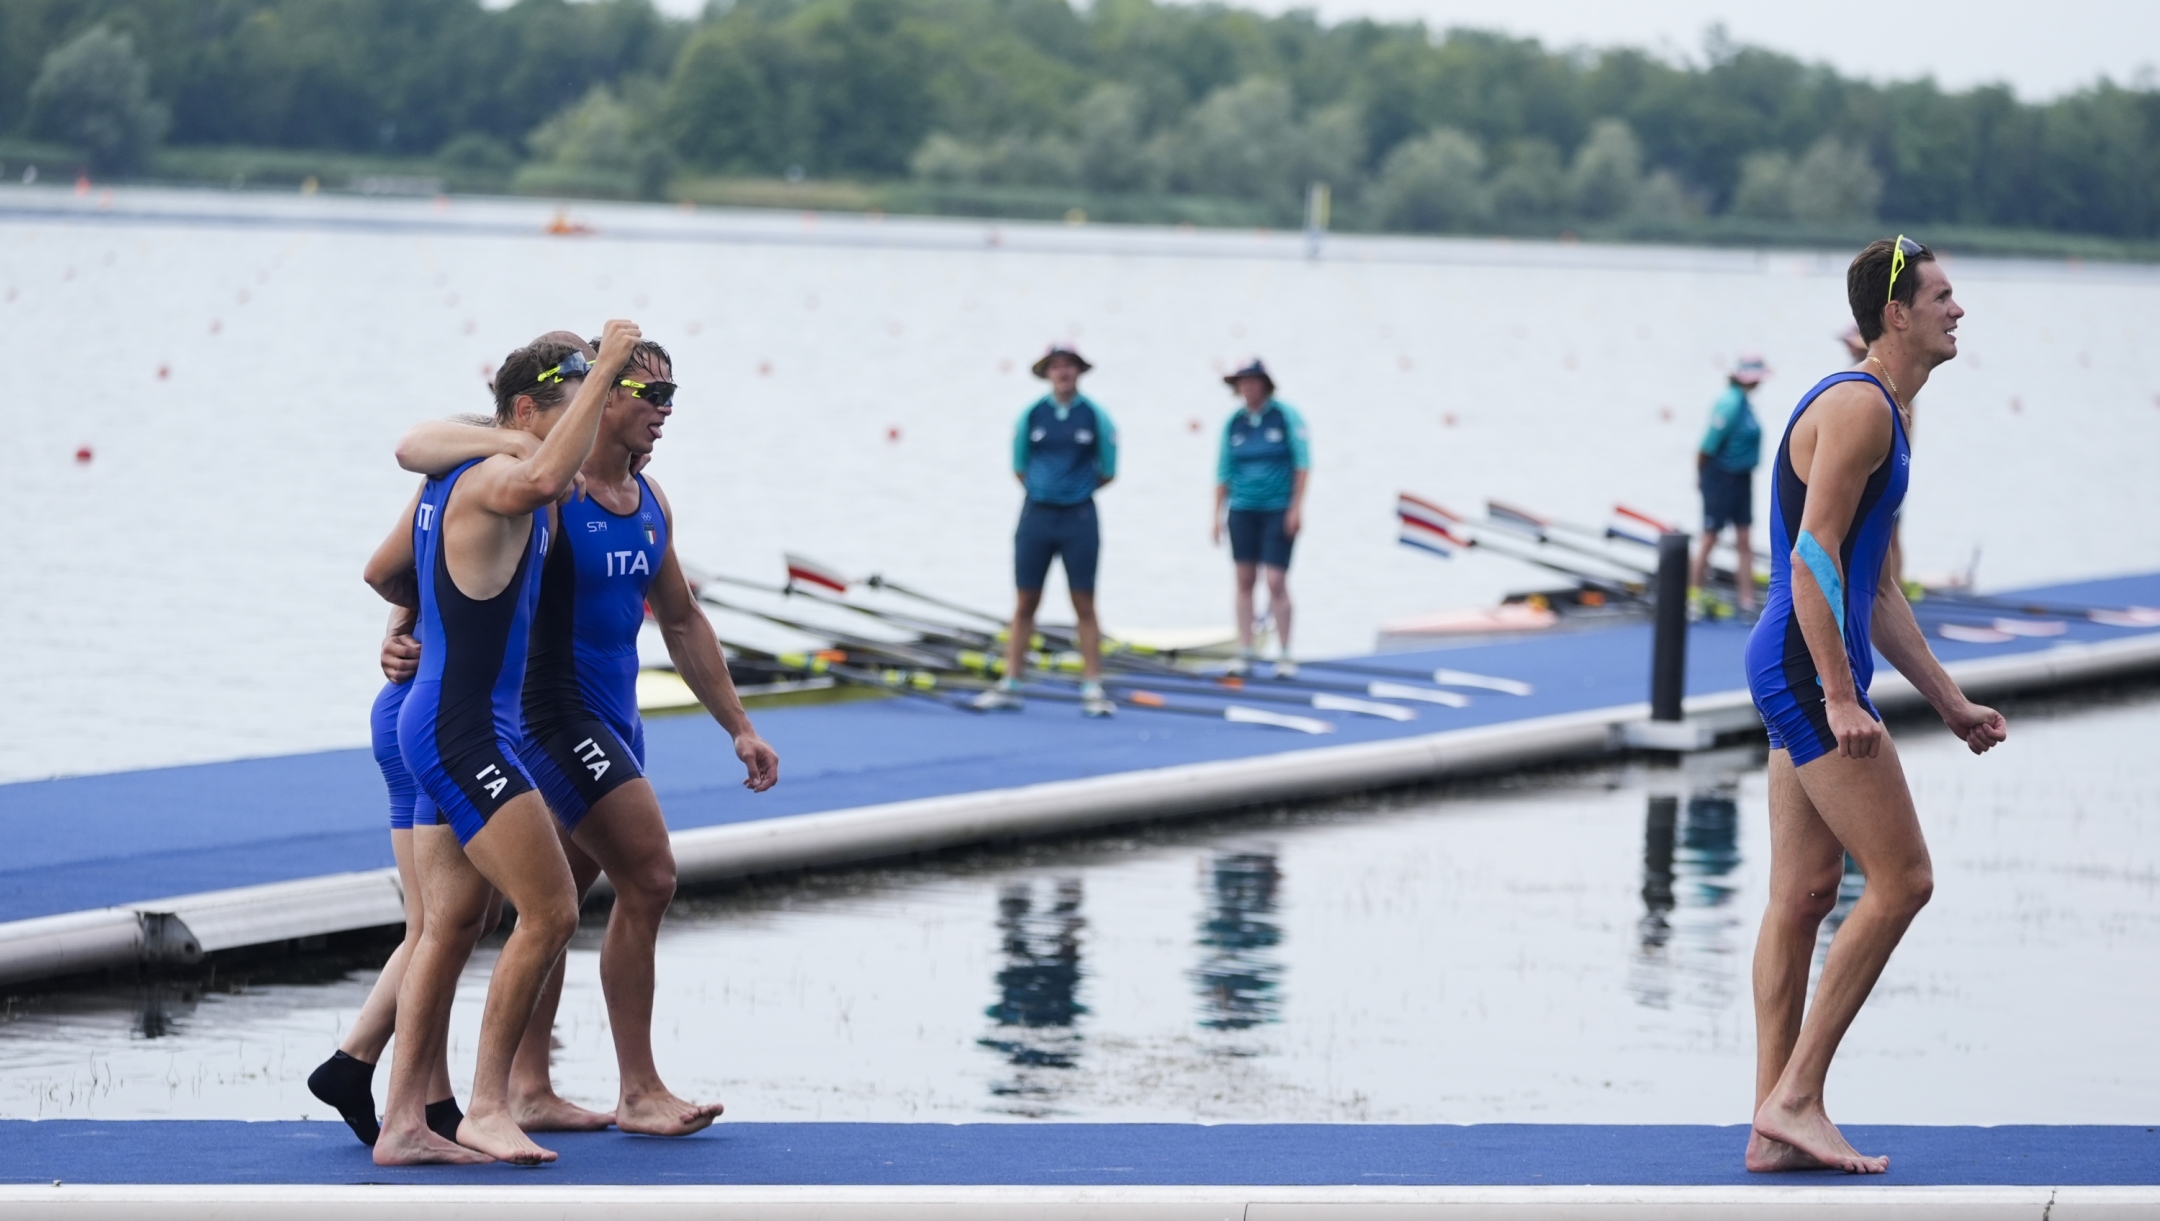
{"x":1239,"y":976}
{"x":1038,"y":992}
{"x":1685,"y":936}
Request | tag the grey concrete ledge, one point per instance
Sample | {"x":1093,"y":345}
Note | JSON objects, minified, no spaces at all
{"x":64,"y":1202}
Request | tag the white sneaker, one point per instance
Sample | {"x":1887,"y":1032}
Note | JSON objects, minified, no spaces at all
{"x":1093,"y":702}
{"x":1238,"y":667}
{"x":1285,"y":668}
{"x":998,"y":699}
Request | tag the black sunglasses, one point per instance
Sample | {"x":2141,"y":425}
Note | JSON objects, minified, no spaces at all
{"x":659,"y":394}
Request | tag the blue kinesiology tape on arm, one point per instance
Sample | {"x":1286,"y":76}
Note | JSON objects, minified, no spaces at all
{"x":1826,"y":576}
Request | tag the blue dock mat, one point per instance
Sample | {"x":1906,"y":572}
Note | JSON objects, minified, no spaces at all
{"x":1084,"y":1155}
{"x":98,"y":841}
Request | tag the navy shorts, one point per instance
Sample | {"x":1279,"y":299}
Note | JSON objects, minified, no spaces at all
{"x":1048,"y":530}
{"x":1728,"y":498}
{"x":1256,"y":537}
{"x":578,"y":763}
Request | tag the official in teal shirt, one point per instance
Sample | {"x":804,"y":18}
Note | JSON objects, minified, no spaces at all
{"x":1064,"y":448}
{"x":1260,"y":473}
{"x":1725,"y":472}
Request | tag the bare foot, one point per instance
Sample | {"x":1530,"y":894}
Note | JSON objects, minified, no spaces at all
{"x":420,"y":1147}
{"x":551,"y":1112}
{"x":1805,"y":1127}
{"x":498,"y":1137}
{"x":661,"y":1113}
{"x":1766,"y":1156}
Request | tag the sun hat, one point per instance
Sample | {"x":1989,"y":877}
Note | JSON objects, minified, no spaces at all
{"x":1257,"y":368}
{"x":1041,"y":367}
{"x":1750,"y":370}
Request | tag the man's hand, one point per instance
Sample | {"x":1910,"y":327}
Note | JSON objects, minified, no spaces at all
{"x":1215,"y":534}
{"x":1292,"y":519}
{"x":617,"y":342}
{"x":1982,"y":728}
{"x":760,"y":760}
{"x":401,"y":658}
{"x":1859,"y":736}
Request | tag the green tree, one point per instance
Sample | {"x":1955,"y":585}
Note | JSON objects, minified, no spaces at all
{"x":93,"y":93}
{"x":1434,"y":184}
{"x":1607,"y":173}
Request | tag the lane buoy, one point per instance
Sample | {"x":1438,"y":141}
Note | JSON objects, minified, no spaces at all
{"x":83,"y":455}
{"x":163,"y":372}
{"x":893,"y":433}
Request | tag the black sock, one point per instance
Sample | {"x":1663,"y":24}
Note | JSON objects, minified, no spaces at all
{"x":348,"y":1085}
{"x":444,"y":1117}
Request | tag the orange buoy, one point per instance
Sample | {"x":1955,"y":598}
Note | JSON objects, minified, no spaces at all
{"x":83,"y":455}
{"x":893,"y":433}
{"x":163,"y":372}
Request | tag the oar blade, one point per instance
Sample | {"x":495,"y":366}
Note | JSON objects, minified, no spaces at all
{"x":1484,"y":682}
{"x":1240,"y":714}
{"x":1403,"y":691}
{"x":1345,"y":703}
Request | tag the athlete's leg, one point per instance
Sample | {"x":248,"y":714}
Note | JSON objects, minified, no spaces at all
{"x":1744,"y":567}
{"x":517,"y":851}
{"x":1279,"y":608}
{"x":1246,"y":573}
{"x":1867,"y":806}
{"x":533,"y":1100}
{"x":1806,"y":864}
{"x":1090,"y":633}
{"x":626,"y":833}
{"x":1025,"y":603}
{"x":1699,"y":570}
{"x":455,"y":898}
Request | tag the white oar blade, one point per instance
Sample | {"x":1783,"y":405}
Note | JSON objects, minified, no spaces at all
{"x":1484,"y":682}
{"x":1345,"y":703}
{"x":2032,"y":627}
{"x":1971,"y":633}
{"x":1402,"y":691}
{"x":2136,"y":616}
{"x":1261,"y":716}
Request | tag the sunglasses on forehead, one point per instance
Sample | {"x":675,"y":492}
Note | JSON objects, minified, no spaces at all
{"x":1905,"y":246}
{"x":659,"y":394}
{"x":574,"y":365}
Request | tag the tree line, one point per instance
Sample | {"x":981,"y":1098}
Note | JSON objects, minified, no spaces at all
{"x":1416,"y":130}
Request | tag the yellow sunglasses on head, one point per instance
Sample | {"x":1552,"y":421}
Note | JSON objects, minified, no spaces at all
{"x":1905,"y":246}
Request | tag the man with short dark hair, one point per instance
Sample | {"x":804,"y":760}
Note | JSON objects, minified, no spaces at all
{"x":1064,"y":448}
{"x":1836,"y":788}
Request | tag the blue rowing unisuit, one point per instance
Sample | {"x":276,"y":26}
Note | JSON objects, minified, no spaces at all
{"x":1781,"y":673}
{"x":462,"y":722}
{"x":584,"y":737}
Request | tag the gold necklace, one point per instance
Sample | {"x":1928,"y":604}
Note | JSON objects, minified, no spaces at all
{"x":1896,"y":396}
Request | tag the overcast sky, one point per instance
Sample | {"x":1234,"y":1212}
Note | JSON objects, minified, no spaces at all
{"x":2041,"y":50}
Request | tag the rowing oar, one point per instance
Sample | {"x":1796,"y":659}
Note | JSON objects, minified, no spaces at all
{"x":1237,"y":714}
{"x":1522,"y":521}
{"x":2128,"y":616}
{"x":1325,"y":701}
{"x":922,"y":627}
{"x":904,"y":653}
{"x":1378,"y":690}
{"x":823,"y":663}
{"x":1136,"y":654}
{"x":1459,"y":531}
{"x":1443,"y":677}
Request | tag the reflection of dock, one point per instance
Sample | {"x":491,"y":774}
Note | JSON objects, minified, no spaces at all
{"x":281,"y":850}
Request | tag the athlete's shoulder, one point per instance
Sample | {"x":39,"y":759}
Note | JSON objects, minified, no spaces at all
{"x":659,"y":497}
{"x":1855,"y":408}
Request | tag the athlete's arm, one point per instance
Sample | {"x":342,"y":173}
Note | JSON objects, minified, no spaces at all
{"x":389,"y":571}
{"x":437,"y":447}
{"x":1294,"y":518}
{"x":516,"y":486}
{"x":697,"y":657}
{"x":1899,"y":638}
{"x":1850,"y":434}
{"x":1105,"y":447}
{"x":400,"y":652}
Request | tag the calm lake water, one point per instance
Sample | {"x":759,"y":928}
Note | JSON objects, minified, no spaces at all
{"x":241,"y":365}
{"x":1563,"y":947}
